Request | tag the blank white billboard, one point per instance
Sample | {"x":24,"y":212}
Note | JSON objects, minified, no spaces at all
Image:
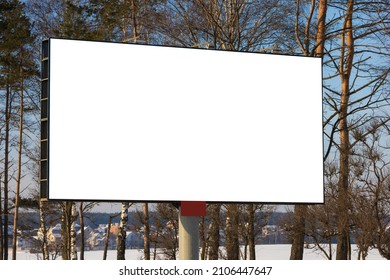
{"x":148,"y":123}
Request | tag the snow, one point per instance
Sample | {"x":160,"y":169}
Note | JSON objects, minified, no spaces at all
{"x":263,"y":252}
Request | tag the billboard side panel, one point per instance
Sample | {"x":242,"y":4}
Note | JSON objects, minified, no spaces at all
{"x":45,"y":86}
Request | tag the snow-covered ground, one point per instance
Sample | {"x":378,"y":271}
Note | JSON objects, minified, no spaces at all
{"x":263,"y":252}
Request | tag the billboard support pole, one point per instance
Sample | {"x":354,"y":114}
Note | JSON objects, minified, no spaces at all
{"x":188,"y":237}
{"x":189,"y":214}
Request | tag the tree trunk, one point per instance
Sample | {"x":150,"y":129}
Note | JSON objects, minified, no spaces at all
{"x":245,"y":255}
{"x":64,"y":238}
{"x":202,"y":237}
{"x":121,"y":238}
{"x":251,"y":232}
{"x":135,"y":25}
{"x":213,"y":240}
{"x":298,"y":238}
{"x":65,"y":230}
{"x":108,"y":235}
{"x":346,"y":59}
{"x":42,"y":227}
{"x":232,"y":242}
{"x":82,"y":234}
{"x":6,"y":166}
{"x":155,"y":243}
{"x":73,"y":234}
{"x":19,"y":174}
{"x":146,"y":232}
{"x":321,"y":28}
{"x":107,"y":238}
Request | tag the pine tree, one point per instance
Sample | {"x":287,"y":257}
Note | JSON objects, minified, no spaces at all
{"x":16,"y":66}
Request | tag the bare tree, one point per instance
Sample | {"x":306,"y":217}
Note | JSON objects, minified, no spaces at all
{"x":167,"y":223}
{"x":83,"y":208}
{"x":354,"y":56}
{"x":213,"y":237}
{"x":345,"y":68}
{"x":371,"y":193}
{"x":352,"y":40}
{"x":226,"y":24}
{"x":321,"y":227}
{"x":252,"y":218}
{"x":231,"y":229}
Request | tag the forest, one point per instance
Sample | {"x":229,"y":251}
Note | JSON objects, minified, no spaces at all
{"x":351,"y":36}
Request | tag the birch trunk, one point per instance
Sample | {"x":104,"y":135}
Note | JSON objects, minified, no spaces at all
{"x":73,"y":249}
{"x":42,"y":228}
{"x":121,"y":238}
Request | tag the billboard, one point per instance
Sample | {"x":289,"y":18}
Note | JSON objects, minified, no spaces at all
{"x":151,"y":123}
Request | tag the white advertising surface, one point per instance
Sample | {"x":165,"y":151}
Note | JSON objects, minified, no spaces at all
{"x":143,"y":123}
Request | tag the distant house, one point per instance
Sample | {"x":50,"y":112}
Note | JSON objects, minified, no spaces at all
{"x":54,"y":234}
{"x":95,"y":240}
{"x":134,"y":240}
{"x":87,"y":230}
{"x":269,"y":229}
{"x":102,"y":228}
{"x":273,"y":234}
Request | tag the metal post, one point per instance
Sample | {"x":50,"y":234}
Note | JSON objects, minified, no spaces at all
{"x":188,"y":237}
